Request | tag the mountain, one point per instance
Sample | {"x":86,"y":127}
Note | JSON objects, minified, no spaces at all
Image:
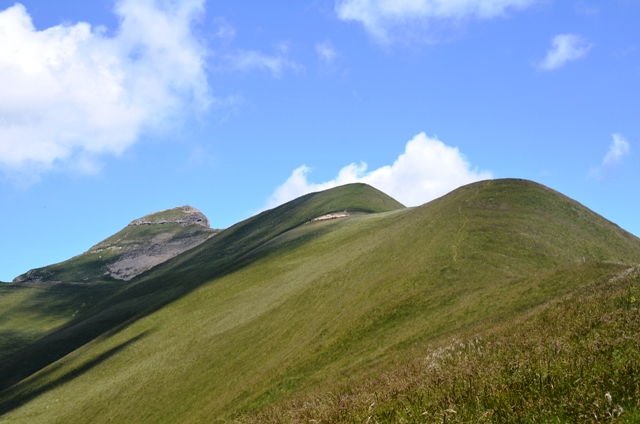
{"x":283,"y":307}
{"x":81,"y":312}
{"x":50,"y":297}
{"x":143,"y":244}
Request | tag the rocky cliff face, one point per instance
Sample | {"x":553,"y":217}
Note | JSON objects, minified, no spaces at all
{"x":143,"y":244}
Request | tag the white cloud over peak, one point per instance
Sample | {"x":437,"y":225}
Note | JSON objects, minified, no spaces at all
{"x":618,"y":148}
{"x":71,"y":92}
{"x":381,"y":17}
{"x":565,"y":48}
{"x":427,"y":169}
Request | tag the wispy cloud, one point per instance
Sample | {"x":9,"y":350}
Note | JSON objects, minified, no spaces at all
{"x":619,"y":148}
{"x":565,"y":48}
{"x":71,"y":93}
{"x":427,"y":169}
{"x":327,"y":53}
{"x":385,"y":19}
{"x":250,"y":60}
{"x":224,"y":30}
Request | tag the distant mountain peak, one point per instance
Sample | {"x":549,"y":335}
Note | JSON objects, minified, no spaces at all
{"x":183,"y":215}
{"x":141,"y":245}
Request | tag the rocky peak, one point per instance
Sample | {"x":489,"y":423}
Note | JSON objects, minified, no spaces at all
{"x":130,"y":252}
{"x":183,"y":215}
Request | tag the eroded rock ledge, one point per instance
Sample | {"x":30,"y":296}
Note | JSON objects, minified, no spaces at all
{"x":183,"y":215}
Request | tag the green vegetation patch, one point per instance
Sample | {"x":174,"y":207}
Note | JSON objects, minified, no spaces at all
{"x":168,"y":215}
{"x":576,"y":359}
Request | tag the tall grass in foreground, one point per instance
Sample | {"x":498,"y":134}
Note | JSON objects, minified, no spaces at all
{"x":573,"y":360}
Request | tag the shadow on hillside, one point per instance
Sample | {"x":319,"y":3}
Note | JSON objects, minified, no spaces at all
{"x":64,"y":340}
{"x":22,"y":398}
{"x":155,"y":289}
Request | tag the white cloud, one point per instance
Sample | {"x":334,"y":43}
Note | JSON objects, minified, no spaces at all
{"x":326,"y":52}
{"x":427,"y":169}
{"x":249,"y":60}
{"x":71,"y":92}
{"x":619,"y":147}
{"x":380,"y":17}
{"x":565,"y":48}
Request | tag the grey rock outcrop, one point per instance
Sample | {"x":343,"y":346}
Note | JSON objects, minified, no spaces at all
{"x":160,"y":249}
{"x":36,"y":276}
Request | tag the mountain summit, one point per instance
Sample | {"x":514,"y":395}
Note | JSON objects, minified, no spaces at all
{"x":141,"y":245}
{"x":183,"y":215}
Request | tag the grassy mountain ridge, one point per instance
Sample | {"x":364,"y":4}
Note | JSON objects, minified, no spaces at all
{"x":116,"y":303}
{"x":278,"y":306}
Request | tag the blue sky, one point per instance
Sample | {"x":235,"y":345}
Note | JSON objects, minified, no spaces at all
{"x":110,"y":110}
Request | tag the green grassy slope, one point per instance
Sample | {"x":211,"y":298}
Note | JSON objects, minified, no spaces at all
{"x":28,"y":312}
{"x":117,"y":303}
{"x":556,"y":364}
{"x":168,"y":215}
{"x":277,"y":306}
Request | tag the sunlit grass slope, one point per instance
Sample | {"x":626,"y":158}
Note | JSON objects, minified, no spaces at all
{"x":278,"y":306}
{"x":573,"y":359}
